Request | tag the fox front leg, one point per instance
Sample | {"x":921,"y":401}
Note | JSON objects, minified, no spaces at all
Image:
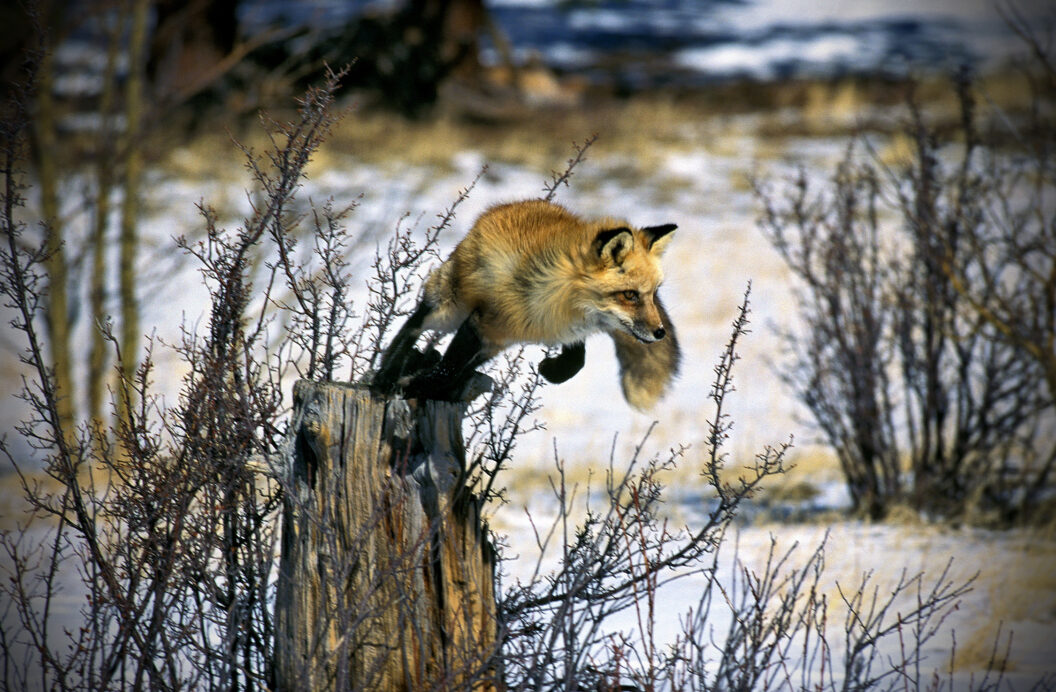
{"x":448,"y":379}
{"x":395,"y":359}
{"x":562,"y":367}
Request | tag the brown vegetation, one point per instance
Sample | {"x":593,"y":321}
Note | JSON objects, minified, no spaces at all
{"x":925,"y":340}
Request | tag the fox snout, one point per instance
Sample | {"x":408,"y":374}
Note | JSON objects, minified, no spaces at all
{"x":647,"y":334}
{"x":649,"y":322}
{"x":639,"y":315}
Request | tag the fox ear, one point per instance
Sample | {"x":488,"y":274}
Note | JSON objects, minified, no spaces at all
{"x":657,"y":237}
{"x":612,"y":245}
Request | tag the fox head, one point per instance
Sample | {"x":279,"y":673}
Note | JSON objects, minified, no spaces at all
{"x":627,"y":278}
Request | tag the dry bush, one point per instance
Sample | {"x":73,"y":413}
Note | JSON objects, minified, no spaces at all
{"x":927,"y":341}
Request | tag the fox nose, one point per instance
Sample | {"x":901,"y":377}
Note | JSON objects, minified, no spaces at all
{"x":659,"y":333}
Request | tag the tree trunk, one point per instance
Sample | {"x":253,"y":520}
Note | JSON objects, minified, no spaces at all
{"x":386,"y":574}
{"x":129,"y":238}
{"x":106,"y":152}
{"x":57,"y":312}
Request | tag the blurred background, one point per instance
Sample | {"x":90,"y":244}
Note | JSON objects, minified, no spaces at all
{"x":483,"y":58}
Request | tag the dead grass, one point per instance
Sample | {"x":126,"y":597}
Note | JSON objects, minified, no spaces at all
{"x":1018,"y":579}
{"x":642,"y":128}
{"x":808,"y":469}
{"x":746,"y":120}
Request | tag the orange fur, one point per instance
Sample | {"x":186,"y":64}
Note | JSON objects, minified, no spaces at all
{"x":533,"y":272}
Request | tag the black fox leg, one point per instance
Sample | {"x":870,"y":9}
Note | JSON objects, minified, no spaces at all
{"x":395,"y":358}
{"x":562,"y":367}
{"x":446,"y":381}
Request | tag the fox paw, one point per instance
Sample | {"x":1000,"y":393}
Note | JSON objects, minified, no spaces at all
{"x":445,"y":389}
{"x":390,"y":380}
{"x":562,"y":367}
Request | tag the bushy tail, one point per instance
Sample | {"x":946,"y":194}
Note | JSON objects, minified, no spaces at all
{"x":647,"y":370}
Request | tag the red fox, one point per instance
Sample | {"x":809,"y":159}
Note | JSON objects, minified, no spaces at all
{"x":533,"y":272}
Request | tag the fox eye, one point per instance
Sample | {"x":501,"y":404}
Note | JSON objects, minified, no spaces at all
{"x":629,"y":296}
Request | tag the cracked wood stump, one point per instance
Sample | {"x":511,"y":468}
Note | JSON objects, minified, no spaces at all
{"x":386,"y":572}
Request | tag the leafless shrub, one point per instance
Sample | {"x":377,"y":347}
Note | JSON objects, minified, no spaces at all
{"x":783,"y":633}
{"x":616,"y":559}
{"x":171,"y":530}
{"x":319,"y":308}
{"x":562,"y":178}
{"x":902,"y":358}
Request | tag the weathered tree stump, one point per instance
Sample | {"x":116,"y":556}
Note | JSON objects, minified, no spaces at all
{"x":386,"y":572}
